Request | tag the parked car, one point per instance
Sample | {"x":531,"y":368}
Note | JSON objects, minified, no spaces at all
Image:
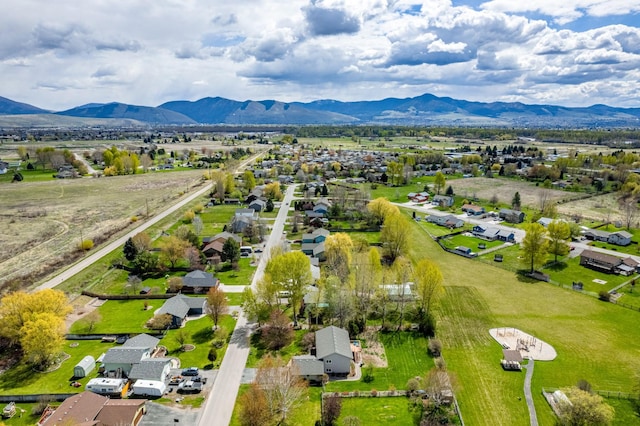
{"x":191,"y":371}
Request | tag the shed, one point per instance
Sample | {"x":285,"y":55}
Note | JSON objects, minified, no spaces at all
{"x":149,"y":388}
{"x":84,"y":367}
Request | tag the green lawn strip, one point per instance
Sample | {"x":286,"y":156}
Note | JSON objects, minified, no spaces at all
{"x":395,"y":410}
{"x":625,"y":411}
{"x":22,"y":379}
{"x":633,"y":249}
{"x":234,"y":299}
{"x":469,"y":242}
{"x":242,"y":276}
{"x":120,"y":316}
{"x":37,"y":175}
{"x":200,"y":334}
{"x":630,"y":295}
{"x":97,"y":276}
{"x":595,"y":341}
{"x":370,"y":237}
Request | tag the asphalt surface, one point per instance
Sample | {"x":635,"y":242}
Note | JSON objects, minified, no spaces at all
{"x":533,"y":418}
{"x":218,"y":408}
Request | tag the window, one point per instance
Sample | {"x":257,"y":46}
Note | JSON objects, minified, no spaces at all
{"x":328,"y":370}
{"x":328,"y":361}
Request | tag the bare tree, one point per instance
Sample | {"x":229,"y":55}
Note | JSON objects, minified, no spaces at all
{"x":628,"y":210}
{"x":283,"y":387}
{"x":216,"y":304}
{"x":134,"y":282}
{"x":181,"y":337}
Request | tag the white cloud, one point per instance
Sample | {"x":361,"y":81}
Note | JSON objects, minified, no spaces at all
{"x":147,"y":53}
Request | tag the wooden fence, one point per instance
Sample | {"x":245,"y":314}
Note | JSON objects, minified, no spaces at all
{"x":127,"y":296}
{"x":35,"y":397}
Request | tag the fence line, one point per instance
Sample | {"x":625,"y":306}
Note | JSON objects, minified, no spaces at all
{"x":604,"y":393}
{"x":36,"y":397}
{"x":127,"y":296}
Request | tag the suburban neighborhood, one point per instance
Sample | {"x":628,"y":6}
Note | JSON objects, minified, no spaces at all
{"x":352,"y":275}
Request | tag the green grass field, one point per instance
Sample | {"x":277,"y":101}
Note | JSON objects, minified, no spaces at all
{"x":120,"y":316}
{"x":595,"y":341}
{"x":467,"y":241}
{"x":569,"y":270}
{"x":379,"y":411}
{"x":216,"y":217}
{"x":242,"y":276}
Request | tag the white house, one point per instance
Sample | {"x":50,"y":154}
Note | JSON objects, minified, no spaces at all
{"x":333,"y":348}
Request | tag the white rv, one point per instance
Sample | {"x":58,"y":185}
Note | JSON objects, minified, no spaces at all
{"x":104,"y":386}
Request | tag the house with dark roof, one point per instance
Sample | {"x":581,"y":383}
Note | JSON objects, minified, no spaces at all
{"x":88,"y":408}
{"x":180,"y":307}
{"x":604,"y":262}
{"x":511,"y":216}
{"x":243,"y":218}
{"x":198,"y":282}
{"x":333,"y":348}
{"x":258,"y":205}
{"x":317,"y":236}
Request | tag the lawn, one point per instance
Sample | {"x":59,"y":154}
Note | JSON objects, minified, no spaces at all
{"x":569,"y":270}
{"x":379,"y":411}
{"x":120,"y":317}
{"x":200,"y":334}
{"x":258,"y":351}
{"x":595,"y":341}
{"x":21,"y":379}
{"x":630,"y":296}
{"x":216,"y":217}
{"x":234,"y":299}
{"x":22,"y":419}
{"x":407,"y":357}
{"x":242,"y":276}
{"x":468,"y":241}
{"x":304,"y":414}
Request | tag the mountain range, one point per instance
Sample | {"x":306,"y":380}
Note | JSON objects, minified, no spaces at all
{"x":426,"y":109}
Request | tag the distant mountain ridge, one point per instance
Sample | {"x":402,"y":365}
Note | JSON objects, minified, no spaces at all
{"x":426,"y":109}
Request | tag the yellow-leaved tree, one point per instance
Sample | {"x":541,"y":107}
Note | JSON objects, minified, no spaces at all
{"x":42,"y":337}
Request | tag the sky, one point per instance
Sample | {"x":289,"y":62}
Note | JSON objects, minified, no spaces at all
{"x":65,"y":53}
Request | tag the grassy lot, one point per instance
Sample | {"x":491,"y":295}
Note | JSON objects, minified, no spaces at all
{"x":379,"y":411}
{"x":21,"y":379}
{"x":468,"y":241}
{"x":304,"y":414}
{"x":258,"y":351}
{"x":120,"y":316}
{"x":242,"y":276}
{"x":370,"y":237}
{"x":38,"y":175}
{"x":407,"y":357}
{"x":633,"y":249}
{"x":216,"y":217}
{"x":625,"y":412}
{"x":630,"y":295}
{"x":595,"y":341}
{"x":234,"y":299}
{"x":200,"y":334}
{"x":569,"y":270}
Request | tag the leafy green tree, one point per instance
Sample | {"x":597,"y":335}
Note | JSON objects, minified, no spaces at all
{"x":534,"y":246}
{"x":216,"y":304}
{"x":439,"y":182}
{"x":172,"y":249}
{"x":145,"y":262}
{"x":585,"y":409}
{"x":559,"y":232}
{"x":291,"y":272}
{"x":269,"y":206}
{"x":249,"y":180}
{"x":231,"y":251}
{"x":449,"y":191}
{"x":428,"y":285}
{"x":395,"y":236}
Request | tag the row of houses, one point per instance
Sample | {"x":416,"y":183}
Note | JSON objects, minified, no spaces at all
{"x":620,"y":238}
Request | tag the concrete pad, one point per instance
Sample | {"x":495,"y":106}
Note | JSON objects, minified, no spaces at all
{"x":529,"y":346}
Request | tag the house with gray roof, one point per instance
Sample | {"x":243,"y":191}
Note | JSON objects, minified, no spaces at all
{"x":142,"y":340}
{"x":198,"y":282}
{"x":333,"y":348}
{"x":122,"y":359}
{"x":180,"y":307}
{"x":309,"y":367}
{"x":151,"y":369}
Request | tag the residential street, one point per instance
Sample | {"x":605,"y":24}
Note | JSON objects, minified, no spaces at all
{"x":218,"y":407}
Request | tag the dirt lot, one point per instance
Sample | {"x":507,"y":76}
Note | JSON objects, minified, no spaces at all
{"x":43,"y":222}
{"x":373,"y":354}
{"x":485,"y":188}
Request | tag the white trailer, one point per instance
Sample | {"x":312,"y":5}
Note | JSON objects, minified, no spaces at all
{"x":149,"y":388}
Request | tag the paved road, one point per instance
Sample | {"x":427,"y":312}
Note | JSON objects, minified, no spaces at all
{"x":218,"y":408}
{"x":86,"y":262}
{"x":533,"y":418}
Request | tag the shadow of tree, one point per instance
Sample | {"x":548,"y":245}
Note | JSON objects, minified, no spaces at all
{"x":203,"y":335}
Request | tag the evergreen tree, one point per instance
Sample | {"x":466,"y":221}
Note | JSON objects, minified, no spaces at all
{"x":130,"y":251}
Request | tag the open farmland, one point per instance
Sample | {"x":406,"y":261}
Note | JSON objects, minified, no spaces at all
{"x":43,"y":222}
{"x":530,"y":195}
